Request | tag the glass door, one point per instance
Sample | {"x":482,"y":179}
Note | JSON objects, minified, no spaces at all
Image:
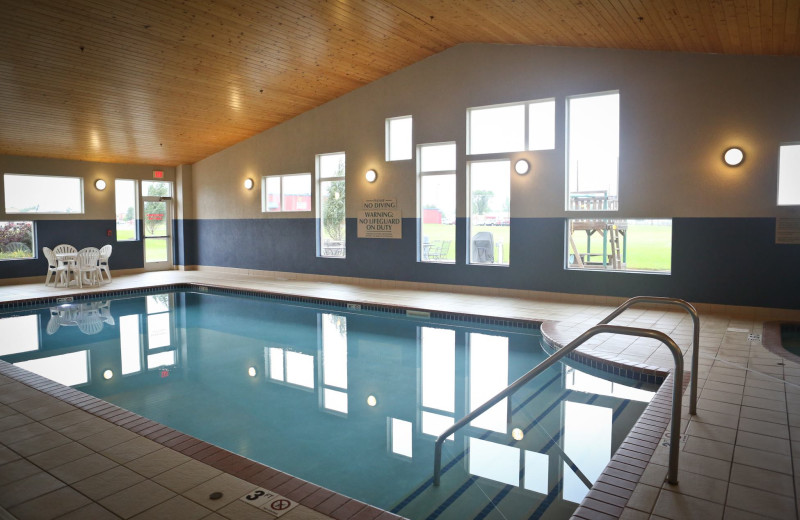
{"x":157,"y":220}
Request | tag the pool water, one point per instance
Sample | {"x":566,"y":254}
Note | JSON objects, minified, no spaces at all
{"x":351,"y":401}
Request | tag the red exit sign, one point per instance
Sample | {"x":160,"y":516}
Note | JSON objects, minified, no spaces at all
{"x":158,"y":174}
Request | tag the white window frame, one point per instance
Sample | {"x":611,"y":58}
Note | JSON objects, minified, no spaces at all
{"x":527,"y":146}
{"x":592,"y":203}
{"x":135,"y":210}
{"x":469,"y":215}
{"x":410,"y":152}
{"x":422,"y":174}
{"x":321,"y":249}
{"x":264,"y":194}
{"x":6,"y":194}
{"x":785,"y":178}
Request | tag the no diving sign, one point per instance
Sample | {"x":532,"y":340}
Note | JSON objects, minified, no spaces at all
{"x":269,"y":501}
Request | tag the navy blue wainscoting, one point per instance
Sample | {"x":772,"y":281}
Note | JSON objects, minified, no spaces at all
{"x":732,"y":261}
{"x":79,"y":233}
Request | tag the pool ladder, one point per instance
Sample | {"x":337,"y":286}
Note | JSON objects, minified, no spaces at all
{"x":603,"y":327}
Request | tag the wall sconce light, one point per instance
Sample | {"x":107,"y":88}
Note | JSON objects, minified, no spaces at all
{"x":733,"y":156}
{"x":100,"y":184}
{"x":517,"y":434}
{"x":522,"y":166}
{"x":108,"y":374}
{"x":248,"y":184}
{"x":371,"y":400}
{"x":252,"y":372}
{"x":371,"y":175}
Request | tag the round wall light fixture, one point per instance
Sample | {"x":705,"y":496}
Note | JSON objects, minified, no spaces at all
{"x":108,"y":374}
{"x":522,"y":166}
{"x":252,"y":371}
{"x":248,"y":184}
{"x":733,"y":156}
{"x":371,"y":175}
{"x":517,"y":434}
{"x":371,"y":400}
{"x":100,"y":184}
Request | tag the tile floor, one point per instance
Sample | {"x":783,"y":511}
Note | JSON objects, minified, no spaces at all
{"x":62,"y":456}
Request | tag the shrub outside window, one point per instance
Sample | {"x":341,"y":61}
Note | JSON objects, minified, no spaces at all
{"x":331,"y":205}
{"x":437,"y":207}
{"x":17,"y":241}
{"x":42,"y":194}
{"x":620,"y":245}
{"x":489,"y":211}
{"x":399,"y":145}
{"x":286,"y":193}
{"x":593,"y":152}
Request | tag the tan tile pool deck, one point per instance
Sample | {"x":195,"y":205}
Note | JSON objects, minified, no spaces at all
{"x":66,"y":455}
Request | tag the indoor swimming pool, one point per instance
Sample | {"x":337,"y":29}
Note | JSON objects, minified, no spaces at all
{"x":348,"y":399}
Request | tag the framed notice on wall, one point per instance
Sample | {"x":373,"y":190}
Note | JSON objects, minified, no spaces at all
{"x":787,"y":230}
{"x":380,"y":218}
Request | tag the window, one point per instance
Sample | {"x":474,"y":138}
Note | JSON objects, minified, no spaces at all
{"x":332,"y":207}
{"x":159,"y":332}
{"x":126,"y":206}
{"x":333,"y":362}
{"x":398,"y":138}
{"x":43,"y":194}
{"x":593,"y":152}
{"x":286,"y":193}
{"x":488,"y":375}
{"x":16,"y":240}
{"x":438,"y":380}
{"x":620,"y":245}
{"x":489,"y":211}
{"x":437,"y":194}
{"x":511,"y":128}
{"x":68,"y":369}
{"x":789,"y":175}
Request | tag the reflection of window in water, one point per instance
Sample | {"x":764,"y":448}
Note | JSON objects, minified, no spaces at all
{"x":334,"y":362}
{"x":68,"y":369}
{"x":161,"y":359}
{"x":488,"y":375}
{"x":438,"y":365}
{"x":20,"y":334}
{"x":129,"y":344}
{"x":587,"y":441}
{"x":287,"y":366}
{"x":401,"y":437}
{"x":583,"y":382}
{"x":501,"y":463}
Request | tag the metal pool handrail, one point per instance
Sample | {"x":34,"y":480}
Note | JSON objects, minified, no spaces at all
{"x":695,"y":336}
{"x":677,"y":391}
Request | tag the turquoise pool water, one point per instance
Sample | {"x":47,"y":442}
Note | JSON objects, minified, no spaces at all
{"x":349,"y":400}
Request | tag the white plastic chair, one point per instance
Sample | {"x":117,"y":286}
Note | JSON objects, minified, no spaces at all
{"x":102,"y":263}
{"x":86,"y":266}
{"x":54,"y":268}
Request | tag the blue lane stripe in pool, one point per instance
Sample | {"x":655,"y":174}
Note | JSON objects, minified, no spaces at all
{"x":452,"y":498}
{"x":493,"y":503}
{"x":545,"y":504}
{"x":428,"y":483}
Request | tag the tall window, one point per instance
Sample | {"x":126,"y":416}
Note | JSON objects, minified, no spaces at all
{"x":489,"y":211}
{"x":620,"y":245}
{"x":331,"y":204}
{"x":17,"y":240}
{"x":593,"y":152}
{"x":511,"y":128}
{"x":42,"y":194}
{"x":286,"y":193}
{"x":398,"y":138}
{"x":789,"y":175}
{"x":437,"y":207}
{"x":126,"y":206}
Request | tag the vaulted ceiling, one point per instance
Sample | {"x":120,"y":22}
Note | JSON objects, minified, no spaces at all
{"x":167,"y":82}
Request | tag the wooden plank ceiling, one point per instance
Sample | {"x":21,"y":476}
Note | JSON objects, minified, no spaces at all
{"x":167,"y":82}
